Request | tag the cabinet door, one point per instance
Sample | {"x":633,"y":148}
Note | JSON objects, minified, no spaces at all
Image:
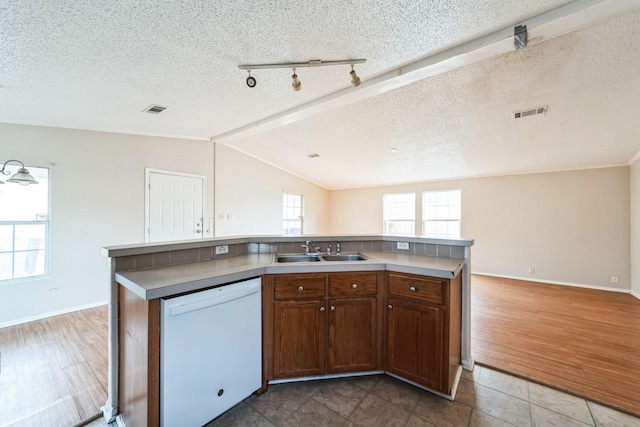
{"x":415,"y":342}
{"x":299,"y":338}
{"x":352,"y":335}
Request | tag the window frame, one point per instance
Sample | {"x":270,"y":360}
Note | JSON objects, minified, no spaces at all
{"x":386,"y":220}
{"x":288,"y":220}
{"x":447,"y":220}
{"x":45,"y":248}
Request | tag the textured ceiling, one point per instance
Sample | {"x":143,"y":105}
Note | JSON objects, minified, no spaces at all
{"x":98,"y":64}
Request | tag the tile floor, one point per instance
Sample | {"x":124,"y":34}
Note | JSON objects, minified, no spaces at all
{"x":486,"y":398}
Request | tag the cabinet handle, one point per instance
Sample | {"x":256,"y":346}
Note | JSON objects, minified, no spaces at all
{"x":354,"y":286}
{"x":333,"y":308}
{"x":412,"y":289}
{"x":321,"y":308}
{"x":389,"y":306}
{"x":301,"y":289}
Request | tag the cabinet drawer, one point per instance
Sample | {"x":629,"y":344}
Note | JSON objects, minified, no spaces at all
{"x":431,"y":289}
{"x":298,"y":287}
{"x":355,"y":284}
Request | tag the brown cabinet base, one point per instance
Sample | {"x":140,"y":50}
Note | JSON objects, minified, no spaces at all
{"x":347,"y":337}
{"x":424,"y":329}
{"x":318,"y":324}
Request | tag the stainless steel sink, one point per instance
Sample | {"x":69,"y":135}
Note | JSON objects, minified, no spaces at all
{"x":297,"y":258}
{"x":344,"y":257}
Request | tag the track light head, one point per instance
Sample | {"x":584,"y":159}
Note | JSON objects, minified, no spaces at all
{"x":251,"y":82}
{"x":355,"y":80}
{"x":295,"y":84}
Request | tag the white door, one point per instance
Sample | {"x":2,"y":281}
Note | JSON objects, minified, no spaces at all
{"x":175,"y":207}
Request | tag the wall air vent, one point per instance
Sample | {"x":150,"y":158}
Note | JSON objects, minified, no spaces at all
{"x":530,"y":112}
{"x":154,"y":109}
{"x":313,"y":156}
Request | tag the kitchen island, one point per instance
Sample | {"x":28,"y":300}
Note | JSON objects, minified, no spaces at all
{"x":435,"y":270}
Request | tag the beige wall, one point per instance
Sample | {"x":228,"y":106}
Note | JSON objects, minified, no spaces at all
{"x":635,"y":228}
{"x":97,"y":199}
{"x":248,"y":196}
{"x":572,"y":227}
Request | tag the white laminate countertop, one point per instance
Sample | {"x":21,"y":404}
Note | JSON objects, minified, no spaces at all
{"x":162,"y":282}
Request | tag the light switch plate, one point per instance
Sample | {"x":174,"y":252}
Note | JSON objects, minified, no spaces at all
{"x":224,"y":249}
{"x":402,"y":245}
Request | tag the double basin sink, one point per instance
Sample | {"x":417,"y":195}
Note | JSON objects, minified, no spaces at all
{"x":346,"y":256}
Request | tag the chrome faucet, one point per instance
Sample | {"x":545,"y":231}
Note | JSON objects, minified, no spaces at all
{"x":329,"y":249}
{"x":308,"y":246}
{"x":337,"y":248}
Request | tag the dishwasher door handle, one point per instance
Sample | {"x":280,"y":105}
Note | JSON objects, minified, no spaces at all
{"x":210,"y":302}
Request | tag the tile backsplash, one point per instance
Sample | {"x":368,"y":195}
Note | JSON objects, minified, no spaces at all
{"x":140,"y":262}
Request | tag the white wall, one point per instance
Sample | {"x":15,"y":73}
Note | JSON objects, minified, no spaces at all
{"x":572,"y":227}
{"x":248,"y":196}
{"x":97,"y":199}
{"x":635,"y":228}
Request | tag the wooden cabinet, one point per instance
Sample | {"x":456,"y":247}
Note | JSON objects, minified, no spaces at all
{"x":299,"y":325}
{"x":423,"y":329}
{"x":299,"y":338}
{"x":320,"y":324}
{"x":353,"y":322}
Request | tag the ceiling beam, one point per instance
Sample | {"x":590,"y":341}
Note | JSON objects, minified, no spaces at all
{"x":549,"y":25}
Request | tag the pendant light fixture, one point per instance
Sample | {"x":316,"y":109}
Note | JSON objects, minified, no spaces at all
{"x":355,"y":80}
{"x":22,"y":177}
{"x":251,"y":82}
{"x":295,"y":83}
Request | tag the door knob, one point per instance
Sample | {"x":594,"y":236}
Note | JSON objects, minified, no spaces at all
{"x":333,"y":308}
{"x":354,"y":286}
{"x":321,"y":308}
{"x":389,"y":306}
{"x":412,"y":289}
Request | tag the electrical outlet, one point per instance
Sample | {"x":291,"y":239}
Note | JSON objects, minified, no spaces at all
{"x":532,"y":270}
{"x":224,"y":249}
{"x":402,"y":245}
{"x":614,"y":279}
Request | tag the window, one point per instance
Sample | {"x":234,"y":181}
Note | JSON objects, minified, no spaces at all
{"x":441,"y":213}
{"x":292,"y":214}
{"x":399,"y":213}
{"x":24,"y":228}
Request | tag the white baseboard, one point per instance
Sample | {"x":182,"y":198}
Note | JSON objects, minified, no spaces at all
{"x":555,"y":282}
{"x":51,"y":314}
{"x":635,"y":294}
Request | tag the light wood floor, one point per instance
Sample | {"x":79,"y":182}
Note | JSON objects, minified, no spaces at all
{"x":581,"y":340}
{"x":53,"y":372}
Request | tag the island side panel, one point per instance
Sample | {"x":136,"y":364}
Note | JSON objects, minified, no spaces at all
{"x":455,"y":328}
{"x":267,"y":330}
{"x":139,"y":378}
{"x":382,"y":330}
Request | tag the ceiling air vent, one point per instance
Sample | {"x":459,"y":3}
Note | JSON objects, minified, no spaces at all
{"x":154,"y":109}
{"x":313,"y":156}
{"x":530,"y":112}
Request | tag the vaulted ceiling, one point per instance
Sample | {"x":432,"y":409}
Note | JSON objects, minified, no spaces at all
{"x":98,"y":65}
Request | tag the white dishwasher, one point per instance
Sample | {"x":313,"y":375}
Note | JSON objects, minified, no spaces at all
{"x":210,"y":352}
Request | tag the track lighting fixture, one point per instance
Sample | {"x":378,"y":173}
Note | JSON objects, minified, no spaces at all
{"x":251,"y":82}
{"x":295,"y":83}
{"x":355,"y":80}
